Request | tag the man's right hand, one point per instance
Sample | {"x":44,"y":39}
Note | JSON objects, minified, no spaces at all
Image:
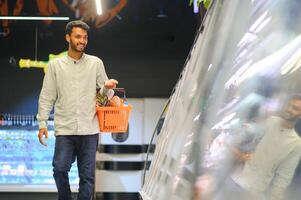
{"x":43,"y":132}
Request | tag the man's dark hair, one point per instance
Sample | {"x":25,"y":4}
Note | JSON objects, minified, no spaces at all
{"x":295,"y":97}
{"x":76,"y":23}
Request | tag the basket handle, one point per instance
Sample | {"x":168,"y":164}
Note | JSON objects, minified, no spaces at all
{"x":122,"y":90}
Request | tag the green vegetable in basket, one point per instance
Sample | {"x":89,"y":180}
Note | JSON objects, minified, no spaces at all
{"x":101,"y":99}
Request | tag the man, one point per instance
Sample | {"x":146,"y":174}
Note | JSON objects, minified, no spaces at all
{"x":70,"y":85}
{"x":270,"y":170}
{"x":293,"y":192}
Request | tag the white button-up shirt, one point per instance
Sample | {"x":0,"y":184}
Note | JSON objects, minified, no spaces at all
{"x":70,"y":86}
{"x":271,"y":168}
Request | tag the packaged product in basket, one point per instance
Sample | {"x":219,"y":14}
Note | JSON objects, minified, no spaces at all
{"x":103,"y":99}
{"x":115,"y":101}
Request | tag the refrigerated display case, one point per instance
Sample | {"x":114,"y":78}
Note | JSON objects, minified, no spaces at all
{"x":25,"y":164}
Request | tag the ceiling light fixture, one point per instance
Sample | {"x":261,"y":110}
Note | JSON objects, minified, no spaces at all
{"x":33,"y":18}
{"x":98,"y":7}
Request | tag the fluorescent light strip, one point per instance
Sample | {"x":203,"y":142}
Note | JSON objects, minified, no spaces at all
{"x":32,"y":18}
{"x":195,"y":6}
{"x":98,"y":7}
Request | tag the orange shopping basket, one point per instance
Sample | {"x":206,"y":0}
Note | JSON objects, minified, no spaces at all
{"x":113,"y":119}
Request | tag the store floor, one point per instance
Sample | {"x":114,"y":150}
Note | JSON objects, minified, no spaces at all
{"x":53,"y":196}
{"x":29,"y":196}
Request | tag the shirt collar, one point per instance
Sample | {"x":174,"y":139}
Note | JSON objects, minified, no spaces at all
{"x":72,"y":60}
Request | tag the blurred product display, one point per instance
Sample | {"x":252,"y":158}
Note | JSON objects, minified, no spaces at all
{"x":23,"y":160}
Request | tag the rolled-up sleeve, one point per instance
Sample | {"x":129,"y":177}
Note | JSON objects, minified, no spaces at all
{"x":101,"y":78}
{"x":47,"y":97}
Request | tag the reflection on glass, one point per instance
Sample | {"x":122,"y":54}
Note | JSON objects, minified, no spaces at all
{"x":230,"y":128}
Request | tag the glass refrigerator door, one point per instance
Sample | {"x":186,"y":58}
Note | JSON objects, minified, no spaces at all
{"x":25,"y":164}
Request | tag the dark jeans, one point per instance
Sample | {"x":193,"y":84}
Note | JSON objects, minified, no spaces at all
{"x":67,"y":148}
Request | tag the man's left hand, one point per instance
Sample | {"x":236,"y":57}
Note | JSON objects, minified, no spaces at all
{"x":111,"y":84}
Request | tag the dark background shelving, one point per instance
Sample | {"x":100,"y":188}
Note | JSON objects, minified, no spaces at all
{"x":144,"y":48}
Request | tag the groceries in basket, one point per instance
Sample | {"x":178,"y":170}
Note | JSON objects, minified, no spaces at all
{"x":109,"y":99}
{"x":113,"y":111}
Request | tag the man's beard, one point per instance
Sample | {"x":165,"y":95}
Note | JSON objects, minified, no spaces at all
{"x":73,"y":47}
{"x":288,"y":117}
